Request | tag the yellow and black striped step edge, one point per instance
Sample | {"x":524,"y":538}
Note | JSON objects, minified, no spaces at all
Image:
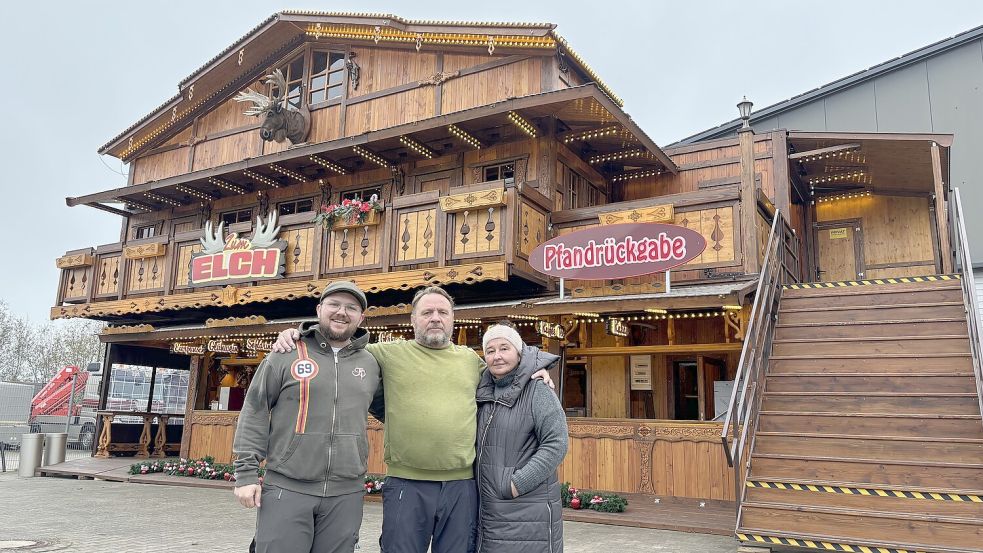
{"x":865,"y":491}
{"x":823,"y":545}
{"x":848,"y":283}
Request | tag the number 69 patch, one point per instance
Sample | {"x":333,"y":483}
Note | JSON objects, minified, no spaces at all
{"x":303,"y":369}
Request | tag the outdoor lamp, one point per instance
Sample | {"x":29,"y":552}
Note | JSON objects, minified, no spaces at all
{"x":744,"y":106}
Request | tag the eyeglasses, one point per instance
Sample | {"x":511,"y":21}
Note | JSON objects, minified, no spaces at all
{"x":334,"y":306}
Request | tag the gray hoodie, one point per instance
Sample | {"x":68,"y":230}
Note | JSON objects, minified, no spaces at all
{"x":305,"y":414}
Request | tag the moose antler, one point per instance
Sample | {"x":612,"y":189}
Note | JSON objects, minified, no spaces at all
{"x":212,"y":241}
{"x":279,"y":84}
{"x":266,"y":234}
{"x":261,"y":102}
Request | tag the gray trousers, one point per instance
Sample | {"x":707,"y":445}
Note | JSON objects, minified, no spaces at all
{"x":291,"y":522}
{"x":417,"y":514}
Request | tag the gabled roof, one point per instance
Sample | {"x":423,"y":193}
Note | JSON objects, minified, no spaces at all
{"x":828,"y":89}
{"x":245,"y":59}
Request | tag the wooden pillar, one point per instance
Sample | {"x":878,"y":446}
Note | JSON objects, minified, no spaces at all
{"x":941,"y":213}
{"x":783,"y":187}
{"x":749,"y":208}
{"x":701,"y":387}
{"x":193,"y":379}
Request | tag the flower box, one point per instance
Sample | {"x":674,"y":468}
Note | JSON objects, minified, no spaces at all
{"x":350,"y":213}
{"x":371,"y":219}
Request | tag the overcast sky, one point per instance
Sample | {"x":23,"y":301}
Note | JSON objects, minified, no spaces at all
{"x":76,"y":74}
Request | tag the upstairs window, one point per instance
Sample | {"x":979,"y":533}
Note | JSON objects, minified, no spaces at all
{"x":293,"y":74}
{"x":238,"y":216}
{"x":362,"y":194}
{"x":145,"y":231}
{"x":501,"y":171}
{"x":296,"y":206}
{"x":327,"y":76}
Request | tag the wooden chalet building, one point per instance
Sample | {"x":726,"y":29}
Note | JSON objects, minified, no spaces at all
{"x":481,"y":141}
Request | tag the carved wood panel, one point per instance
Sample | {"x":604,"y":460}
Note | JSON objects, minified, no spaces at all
{"x":717,"y":226}
{"x":300,"y":249}
{"x":145,"y":274}
{"x":416,"y":235}
{"x":355,"y":247}
{"x":184,"y":262}
{"x":107,"y":276}
{"x":477,"y":231}
{"x":77,"y":283}
{"x":532,"y":229}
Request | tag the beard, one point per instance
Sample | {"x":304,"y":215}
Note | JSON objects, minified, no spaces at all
{"x":342,"y":336}
{"x":434,"y":341}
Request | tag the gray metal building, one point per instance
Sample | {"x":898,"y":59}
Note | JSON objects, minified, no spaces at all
{"x":935,"y":89}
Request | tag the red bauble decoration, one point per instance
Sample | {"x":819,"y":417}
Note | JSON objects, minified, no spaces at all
{"x":575,"y":503}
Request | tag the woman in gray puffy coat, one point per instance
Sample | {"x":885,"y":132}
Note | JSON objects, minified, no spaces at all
{"x":522,"y":439}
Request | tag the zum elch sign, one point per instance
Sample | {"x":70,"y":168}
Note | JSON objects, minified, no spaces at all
{"x":618,"y":251}
{"x":238,"y":259}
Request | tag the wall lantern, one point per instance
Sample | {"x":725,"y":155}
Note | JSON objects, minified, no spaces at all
{"x":744,"y":106}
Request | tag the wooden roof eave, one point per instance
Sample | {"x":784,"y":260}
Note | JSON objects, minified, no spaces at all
{"x":460,"y":117}
{"x":944,"y":140}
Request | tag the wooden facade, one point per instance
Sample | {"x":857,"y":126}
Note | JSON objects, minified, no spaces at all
{"x":482,"y":142}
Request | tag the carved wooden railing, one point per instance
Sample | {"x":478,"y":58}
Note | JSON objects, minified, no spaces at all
{"x":738,"y":428}
{"x":477,"y":233}
{"x":965,"y":263}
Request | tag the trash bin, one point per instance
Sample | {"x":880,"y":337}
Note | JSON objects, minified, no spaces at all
{"x":30,"y":454}
{"x":54,"y":448}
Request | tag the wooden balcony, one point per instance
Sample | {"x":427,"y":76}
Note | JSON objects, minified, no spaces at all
{"x":478,"y":233}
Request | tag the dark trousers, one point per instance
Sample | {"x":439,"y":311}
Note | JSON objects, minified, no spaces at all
{"x":414,"y":512}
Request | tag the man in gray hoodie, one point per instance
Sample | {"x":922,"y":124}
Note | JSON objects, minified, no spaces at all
{"x":304,"y":414}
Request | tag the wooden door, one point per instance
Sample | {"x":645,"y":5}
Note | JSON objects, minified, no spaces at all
{"x":839,"y":251}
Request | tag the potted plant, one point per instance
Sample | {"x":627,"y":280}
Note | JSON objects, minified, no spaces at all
{"x":350,"y":213}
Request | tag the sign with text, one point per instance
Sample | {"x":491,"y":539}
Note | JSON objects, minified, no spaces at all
{"x":618,"y":251}
{"x":237,"y":259}
{"x":617,"y":327}
{"x":641,"y":372}
{"x":188,"y":348}
{"x":550,"y":330}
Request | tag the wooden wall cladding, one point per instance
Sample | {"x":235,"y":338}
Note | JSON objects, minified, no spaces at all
{"x":885,"y":219}
{"x":161,"y":165}
{"x":416,"y":235}
{"x":227,"y":149}
{"x":228,"y":115}
{"x":487,"y":87}
{"x":382,"y":69}
{"x":532,"y":228}
{"x":183,"y":263}
{"x":145,"y":274}
{"x":325,"y":124}
{"x":300,"y":249}
{"x":355,"y":248}
{"x":107,"y":276}
{"x":211,"y":434}
{"x":390,"y":111}
{"x":717,"y":226}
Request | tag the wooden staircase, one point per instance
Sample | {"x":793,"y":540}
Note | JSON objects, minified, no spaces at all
{"x":869,"y":436}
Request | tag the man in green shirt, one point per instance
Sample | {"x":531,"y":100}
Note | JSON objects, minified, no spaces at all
{"x":430,"y":498}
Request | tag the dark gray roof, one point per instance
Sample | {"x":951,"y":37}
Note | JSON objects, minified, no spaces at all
{"x":838,"y":85}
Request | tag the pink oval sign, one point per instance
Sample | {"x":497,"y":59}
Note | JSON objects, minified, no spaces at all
{"x":618,"y":251}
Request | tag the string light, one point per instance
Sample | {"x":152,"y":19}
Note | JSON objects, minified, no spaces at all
{"x":656,"y":310}
{"x":234,"y":188}
{"x":261,"y":178}
{"x":161,"y":199}
{"x":837,"y":178}
{"x":653,"y":317}
{"x":134,"y":204}
{"x":464,"y":136}
{"x":195,"y":193}
{"x":596,"y":133}
{"x":731,"y":307}
{"x":848,"y":196}
{"x":615,"y":156}
{"x":374,"y":158}
{"x":522,"y":123}
{"x":849,"y":153}
{"x":417,"y":147}
{"x":588,"y":314}
{"x":292,"y":174}
{"x":636,"y":175}
{"x":330,"y":165}
{"x":524,"y":317}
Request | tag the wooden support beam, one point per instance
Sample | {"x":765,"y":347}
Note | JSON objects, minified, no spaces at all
{"x":824,"y":151}
{"x":749,"y":211}
{"x":648,"y":350}
{"x":941,"y":213}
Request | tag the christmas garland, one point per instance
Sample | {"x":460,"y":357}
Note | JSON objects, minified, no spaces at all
{"x":205,"y":468}
{"x":587,"y":499}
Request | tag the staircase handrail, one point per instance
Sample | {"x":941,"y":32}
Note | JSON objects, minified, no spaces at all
{"x":757,"y":344}
{"x":970,"y":301}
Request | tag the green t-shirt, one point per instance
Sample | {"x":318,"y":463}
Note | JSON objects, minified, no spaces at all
{"x":431,"y":414}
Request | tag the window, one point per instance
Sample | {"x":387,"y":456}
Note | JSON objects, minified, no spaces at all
{"x":499,"y":172}
{"x":293,"y":74}
{"x":327,"y":76}
{"x":233,"y":217}
{"x":577,"y":191}
{"x":296,"y":206}
{"x":146,"y":231}
{"x":362,"y":194}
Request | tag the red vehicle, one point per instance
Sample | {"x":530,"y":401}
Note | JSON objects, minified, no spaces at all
{"x":50,"y":406}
